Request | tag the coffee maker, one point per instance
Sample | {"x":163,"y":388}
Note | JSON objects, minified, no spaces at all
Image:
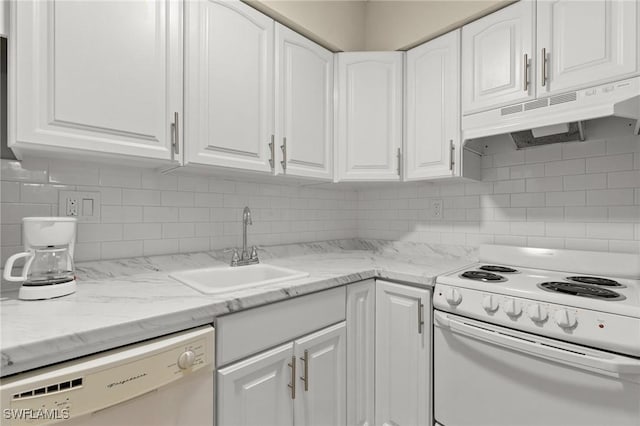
{"x":48,"y":270}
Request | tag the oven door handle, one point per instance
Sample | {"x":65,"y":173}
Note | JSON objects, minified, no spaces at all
{"x":543,"y":348}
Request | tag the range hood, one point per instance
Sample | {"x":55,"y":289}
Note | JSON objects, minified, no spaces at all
{"x":558,"y":118}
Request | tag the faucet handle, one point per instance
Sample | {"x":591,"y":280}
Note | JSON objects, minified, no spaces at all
{"x":235,"y":257}
{"x":254,"y":252}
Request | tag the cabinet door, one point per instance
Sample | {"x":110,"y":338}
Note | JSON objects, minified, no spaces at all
{"x":321,"y":393}
{"x":229,"y":85}
{"x":304,"y":106}
{"x":403,"y":353}
{"x":255,"y":391}
{"x":585,"y":42}
{"x":369,"y":116}
{"x":494,"y":49}
{"x":361,"y":320}
{"x":433,"y":108}
{"x":95,"y":77}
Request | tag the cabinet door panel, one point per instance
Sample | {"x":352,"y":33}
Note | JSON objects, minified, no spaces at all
{"x":304,"y":112}
{"x":361,"y":320}
{"x":229,"y":85}
{"x":325,"y":400}
{"x":254,"y":392}
{"x":370,"y":115}
{"x":493,"y":52}
{"x":402,"y":355}
{"x":433,"y":107}
{"x":81,"y":86}
{"x":586,"y":42}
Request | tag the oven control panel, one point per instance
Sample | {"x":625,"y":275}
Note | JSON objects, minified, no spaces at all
{"x":582,"y":326}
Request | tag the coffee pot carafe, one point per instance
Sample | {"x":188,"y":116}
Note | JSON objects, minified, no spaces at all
{"x":48,"y":270}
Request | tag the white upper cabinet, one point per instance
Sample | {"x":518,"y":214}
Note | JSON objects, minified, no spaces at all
{"x":582,"y":43}
{"x":95,"y":77}
{"x":304,"y":106}
{"x":369,"y":117}
{"x":432,"y":113}
{"x":229,"y":85}
{"x":497,"y":61}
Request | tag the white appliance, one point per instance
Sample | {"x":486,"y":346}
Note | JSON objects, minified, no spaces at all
{"x":619,"y":99}
{"x":538,"y":337}
{"x":48,"y":270}
{"x":166,"y":381}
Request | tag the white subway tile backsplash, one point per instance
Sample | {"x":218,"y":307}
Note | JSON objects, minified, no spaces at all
{"x":177,"y":198}
{"x":565,"y":198}
{"x":508,"y":186}
{"x":142,"y":231}
{"x":121,"y":177}
{"x":120,"y":249}
{"x":545,"y":213}
{"x":586,"y":244}
{"x":528,"y":199}
{"x":193,"y":214}
{"x":543,"y":154}
{"x":630,"y":179}
{"x":590,"y":181}
{"x":95,"y":232}
{"x":10,"y":192}
{"x":564,"y":167}
{"x":624,"y":246}
{"x":527,"y":171}
{"x":73,"y":173}
{"x":610,"y":163}
{"x":544,"y":184}
{"x":14,"y":212}
{"x":33,"y":170}
{"x":583,"y":149}
{"x":586,"y":214}
{"x":178,"y":230}
{"x":546,"y":242}
{"x":609,"y":231}
{"x":609,"y":197}
{"x":565,"y":229}
{"x":10,"y":235}
{"x":160,"y":214}
{"x":121,"y":214}
{"x":140,"y":197}
{"x":157,"y":247}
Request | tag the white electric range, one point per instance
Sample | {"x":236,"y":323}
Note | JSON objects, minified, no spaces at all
{"x":538,"y":337}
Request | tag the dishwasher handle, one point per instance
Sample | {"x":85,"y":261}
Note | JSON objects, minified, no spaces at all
{"x":602,"y":361}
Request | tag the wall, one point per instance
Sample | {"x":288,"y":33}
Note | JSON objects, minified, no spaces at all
{"x":146,"y":213}
{"x":582,"y":195}
{"x":338,"y":25}
{"x":397,"y":24}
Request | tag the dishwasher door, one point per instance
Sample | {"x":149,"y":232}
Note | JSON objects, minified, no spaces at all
{"x":494,"y":376}
{"x":165,"y":381}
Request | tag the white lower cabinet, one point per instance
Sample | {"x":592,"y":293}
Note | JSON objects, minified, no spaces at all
{"x":361,"y":320}
{"x":403,"y":355}
{"x":301,"y":382}
{"x":255,"y":391}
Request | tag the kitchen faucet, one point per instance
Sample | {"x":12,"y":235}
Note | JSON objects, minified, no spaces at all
{"x":245,"y":258}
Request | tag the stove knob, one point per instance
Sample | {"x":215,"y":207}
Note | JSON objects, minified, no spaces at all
{"x":566,"y":319}
{"x":512,"y":307}
{"x":453,"y":296}
{"x":490,"y":303}
{"x":186,"y":359}
{"x":537,"y":313}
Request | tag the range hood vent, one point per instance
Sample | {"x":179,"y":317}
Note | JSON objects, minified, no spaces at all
{"x":549,"y":134}
{"x":557,"y":118}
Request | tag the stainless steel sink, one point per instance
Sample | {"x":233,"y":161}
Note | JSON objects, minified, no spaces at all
{"x":224,"y":279}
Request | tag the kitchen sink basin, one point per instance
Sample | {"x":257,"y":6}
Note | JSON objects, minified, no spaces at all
{"x":225,"y":279}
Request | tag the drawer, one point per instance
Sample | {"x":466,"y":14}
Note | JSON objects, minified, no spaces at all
{"x":254,"y":330}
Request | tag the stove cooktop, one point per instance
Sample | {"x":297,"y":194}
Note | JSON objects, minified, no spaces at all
{"x":605,"y":294}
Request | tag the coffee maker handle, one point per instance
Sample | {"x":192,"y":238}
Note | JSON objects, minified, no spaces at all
{"x":8,"y":267}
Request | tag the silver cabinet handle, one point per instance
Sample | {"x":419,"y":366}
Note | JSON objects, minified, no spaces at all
{"x":305,"y":376}
{"x":526,"y":72}
{"x":420,"y":317}
{"x":452,"y":153}
{"x":273,"y":154}
{"x":176,"y":133}
{"x":544,"y":67}
{"x":399,"y":169}
{"x":292,"y":384}
{"x":283,"y":147}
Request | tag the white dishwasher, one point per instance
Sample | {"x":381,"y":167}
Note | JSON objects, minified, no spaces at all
{"x":167,"y":381}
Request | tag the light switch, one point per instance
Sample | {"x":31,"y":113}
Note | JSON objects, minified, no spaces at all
{"x":87,"y":207}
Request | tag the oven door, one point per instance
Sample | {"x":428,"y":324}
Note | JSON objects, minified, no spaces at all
{"x":490,"y":375}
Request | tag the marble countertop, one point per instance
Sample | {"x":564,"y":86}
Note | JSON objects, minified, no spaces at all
{"x":126,"y":301}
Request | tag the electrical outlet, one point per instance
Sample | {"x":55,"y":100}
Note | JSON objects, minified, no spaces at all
{"x":72,"y":207}
{"x":84,"y":206}
{"x":436,"y":209}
